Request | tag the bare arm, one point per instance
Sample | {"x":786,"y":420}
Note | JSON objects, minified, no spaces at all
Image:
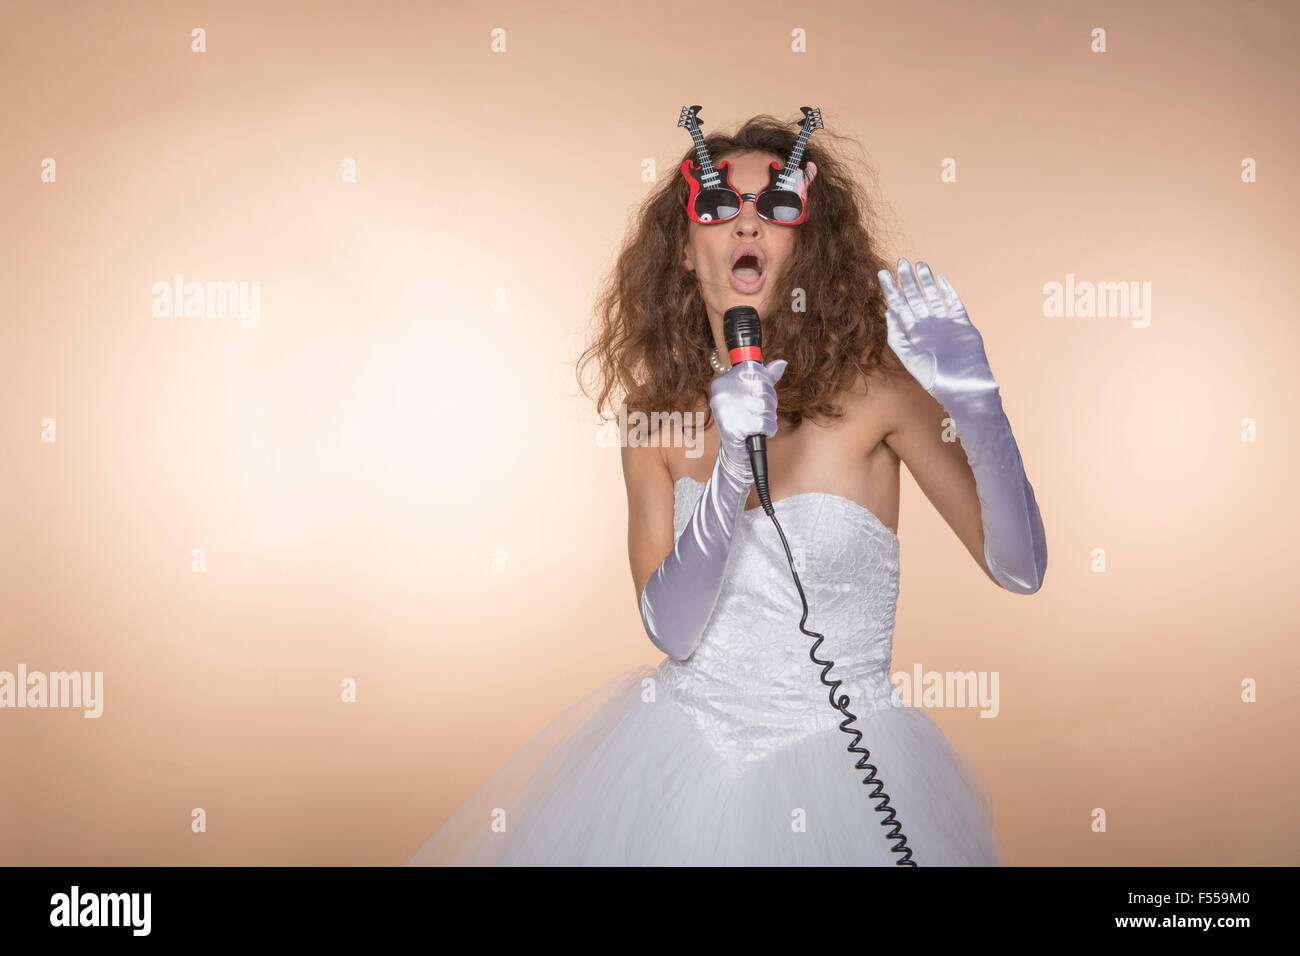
{"x":649,"y":511}
{"x":918,"y":426}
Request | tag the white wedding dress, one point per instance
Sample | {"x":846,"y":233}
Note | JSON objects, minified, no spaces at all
{"x":735,"y":756}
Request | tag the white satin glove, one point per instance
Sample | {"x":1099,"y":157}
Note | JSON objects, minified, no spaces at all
{"x":934,"y":338}
{"x":678,"y":599}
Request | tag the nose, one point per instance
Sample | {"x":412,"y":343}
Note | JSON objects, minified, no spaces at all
{"x":748,"y":223}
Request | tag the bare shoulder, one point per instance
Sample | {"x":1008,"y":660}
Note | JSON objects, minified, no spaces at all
{"x":898,"y":402}
{"x":881,"y":398}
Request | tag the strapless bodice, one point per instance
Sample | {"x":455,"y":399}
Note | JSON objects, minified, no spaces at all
{"x":750,"y":686}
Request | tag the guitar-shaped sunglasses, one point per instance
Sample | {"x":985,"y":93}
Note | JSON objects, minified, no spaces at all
{"x":713,"y":199}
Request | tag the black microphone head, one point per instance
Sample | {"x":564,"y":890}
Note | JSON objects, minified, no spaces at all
{"x":740,"y":327}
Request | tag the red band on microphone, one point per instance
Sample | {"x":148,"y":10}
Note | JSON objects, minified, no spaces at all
{"x":746,"y":353}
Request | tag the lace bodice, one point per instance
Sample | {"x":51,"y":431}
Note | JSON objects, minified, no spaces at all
{"x":750,"y":686}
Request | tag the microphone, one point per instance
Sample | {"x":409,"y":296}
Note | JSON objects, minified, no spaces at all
{"x":744,"y":338}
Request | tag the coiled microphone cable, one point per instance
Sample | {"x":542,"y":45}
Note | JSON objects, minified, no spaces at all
{"x":841,"y":704}
{"x":743,"y":334}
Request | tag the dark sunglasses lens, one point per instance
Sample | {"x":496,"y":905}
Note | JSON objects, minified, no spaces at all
{"x":780,"y":205}
{"x":716,"y":205}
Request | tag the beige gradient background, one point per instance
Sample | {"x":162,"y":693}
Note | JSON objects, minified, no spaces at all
{"x":372,"y":561}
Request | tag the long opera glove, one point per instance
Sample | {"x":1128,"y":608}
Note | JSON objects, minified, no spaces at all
{"x":679,"y":598}
{"x":932,"y":335}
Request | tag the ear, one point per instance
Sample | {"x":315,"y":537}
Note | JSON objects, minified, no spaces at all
{"x":688,"y":263}
{"x":809,"y":172}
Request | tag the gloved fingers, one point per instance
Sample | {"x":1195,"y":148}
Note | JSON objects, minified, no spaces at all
{"x":751,"y":372}
{"x":738,"y":422}
{"x":930,"y":290}
{"x":745,"y":403}
{"x":895,"y":299}
{"x":955,"y":307}
{"x":756,"y":380}
{"x":764,"y":423}
{"x":758,"y":411}
{"x":907,"y":279}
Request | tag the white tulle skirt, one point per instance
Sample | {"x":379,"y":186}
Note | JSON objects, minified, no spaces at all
{"x":621,"y":778}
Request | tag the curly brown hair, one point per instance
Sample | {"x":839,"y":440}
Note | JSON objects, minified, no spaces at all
{"x":652,"y":337}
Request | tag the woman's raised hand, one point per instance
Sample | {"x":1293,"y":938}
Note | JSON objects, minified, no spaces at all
{"x":933,"y":337}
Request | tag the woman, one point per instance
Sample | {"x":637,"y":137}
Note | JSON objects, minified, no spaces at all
{"x":731,"y":751}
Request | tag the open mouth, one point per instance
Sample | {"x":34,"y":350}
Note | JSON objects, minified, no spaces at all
{"x":747,"y":268}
